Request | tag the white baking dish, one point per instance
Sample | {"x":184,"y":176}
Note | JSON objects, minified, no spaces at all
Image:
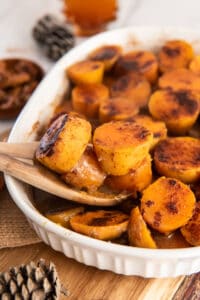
{"x":103,"y":255}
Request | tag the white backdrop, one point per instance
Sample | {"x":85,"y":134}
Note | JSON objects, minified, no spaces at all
{"x":17,"y":18}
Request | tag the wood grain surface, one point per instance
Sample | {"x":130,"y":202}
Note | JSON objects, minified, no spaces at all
{"x":88,"y":283}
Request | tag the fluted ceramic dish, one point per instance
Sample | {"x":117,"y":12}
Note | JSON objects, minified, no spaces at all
{"x":103,"y":255}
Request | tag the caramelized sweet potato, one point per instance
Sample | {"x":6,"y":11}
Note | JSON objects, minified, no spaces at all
{"x":87,"y":173}
{"x":179,"y":110}
{"x":101,"y":224}
{"x":108,"y":80}
{"x":135,"y":181}
{"x":134,"y":87}
{"x":86,"y":72}
{"x":121,"y":146}
{"x":175,"y":54}
{"x":158,"y":128}
{"x":178,"y":157}
{"x":62,"y":217}
{"x":142,"y":62}
{"x":167,"y":204}
{"x":138,"y":233}
{"x":191,"y":231}
{"x":63,"y":143}
{"x":64,"y":107}
{"x":195,"y":65}
{"x":87,"y":98}
{"x":180,"y":79}
{"x":106,"y":54}
{"x":117,"y":108}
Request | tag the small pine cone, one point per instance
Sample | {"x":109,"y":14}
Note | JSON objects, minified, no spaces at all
{"x":53,"y":36}
{"x":32,"y":281}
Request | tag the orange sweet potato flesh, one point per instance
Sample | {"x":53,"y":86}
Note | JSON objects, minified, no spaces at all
{"x":175,"y":54}
{"x":87,"y":173}
{"x":121,"y":146}
{"x":138,"y":233}
{"x":101,"y":224}
{"x":64,"y":142}
{"x":195,"y":65}
{"x":142,"y":62}
{"x":135,"y":181}
{"x":167,"y":204}
{"x":62,"y":217}
{"x":179,"y":110}
{"x":117,"y":108}
{"x":178,"y":157}
{"x":134,"y":87}
{"x":106,"y":54}
{"x":86,"y":72}
{"x":64,"y":107}
{"x":191,"y":231}
{"x":180,"y":79}
{"x":86,"y":99}
{"x":158,"y":128}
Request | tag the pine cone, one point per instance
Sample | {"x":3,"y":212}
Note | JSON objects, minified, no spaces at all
{"x":32,"y":281}
{"x":54,"y":36}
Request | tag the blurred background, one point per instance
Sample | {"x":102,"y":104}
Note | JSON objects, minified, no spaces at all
{"x":18,"y":17}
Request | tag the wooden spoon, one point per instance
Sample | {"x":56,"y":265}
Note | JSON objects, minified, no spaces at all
{"x":40,"y":177}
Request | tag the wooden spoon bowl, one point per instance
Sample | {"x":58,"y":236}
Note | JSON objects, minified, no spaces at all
{"x":31,"y":172}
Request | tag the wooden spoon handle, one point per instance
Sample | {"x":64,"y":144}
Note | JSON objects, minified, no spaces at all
{"x":21,"y":150}
{"x":41,"y":178}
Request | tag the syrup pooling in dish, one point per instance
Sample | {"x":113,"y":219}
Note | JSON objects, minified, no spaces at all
{"x":147,"y":104}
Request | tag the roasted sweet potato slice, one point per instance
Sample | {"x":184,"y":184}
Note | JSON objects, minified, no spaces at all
{"x":101,"y":224}
{"x":158,"y":128}
{"x":180,"y":79}
{"x":135,"y":181}
{"x":64,"y":107}
{"x":191,"y":231}
{"x":134,"y":87}
{"x":175,"y":54}
{"x":138,"y":233}
{"x":63,"y":143}
{"x":62,"y":217}
{"x":87,"y":173}
{"x":121,"y":146}
{"x":86,"y":72}
{"x":108,"y":80}
{"x":117,"y":108}
{"x":142,"y":62}
{"x":195,"y":65}
{"x":87,"y":98}
{"x":178,"y":157}
{"x":167,"y":204}
{"x":179,"y":110}
{"x":107,"y":54}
